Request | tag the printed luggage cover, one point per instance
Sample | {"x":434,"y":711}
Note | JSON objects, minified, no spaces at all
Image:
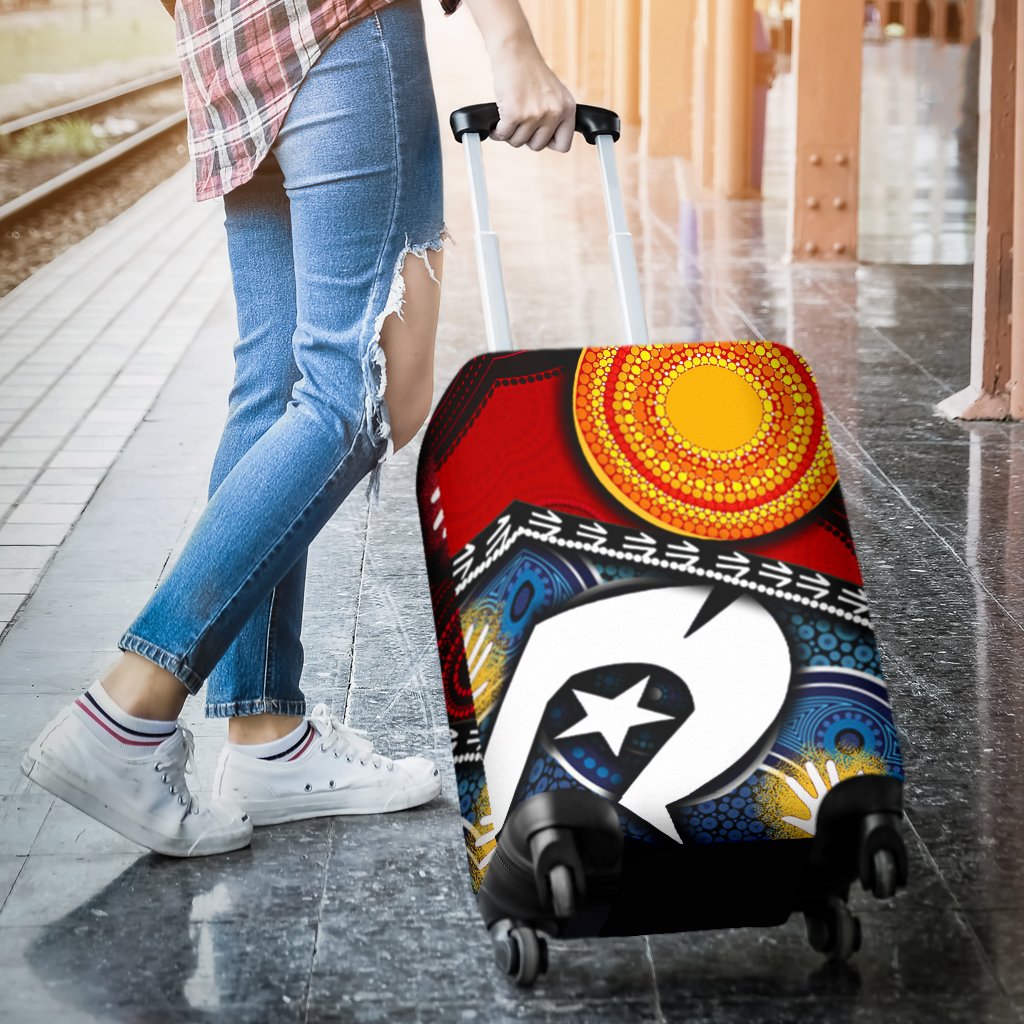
{"x":644,"y":584}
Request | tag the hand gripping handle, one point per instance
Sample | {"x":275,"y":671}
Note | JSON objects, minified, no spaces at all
{"x":482,"y":118}
{"x":600,"y":128}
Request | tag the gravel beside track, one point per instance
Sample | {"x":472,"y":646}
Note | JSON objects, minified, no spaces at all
{"x":79,"y":210}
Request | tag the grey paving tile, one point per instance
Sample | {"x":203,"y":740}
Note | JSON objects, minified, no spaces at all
{"x":32,"y":534}
{"x":45,"y":513}
{"x":60,"y":494}
{"x":102,"y":560}
{"x":62,"y":671}
{"x":96,"y":459}
{"x":105,"y":428}
{"x":72,"y":475}
{"x":10,"y":603}
{"x":108,"y":599}
{"x":23,"y":459}
{"x":11,"y":781}
{"x":22,"y":556}
{"x":21,"y":817}
{"x":36,"y":636}
{"x":26,"y":444}
{"x":999,"y":931}
{"x":48,"y":888}
{"x":21,"y":476}
{"x":10,"y":867}
{"x":90,"y":443}
{"x":20,"y":580}
{"x":15,"y":403}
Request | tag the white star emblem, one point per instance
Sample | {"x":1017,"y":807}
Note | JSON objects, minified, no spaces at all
{"x":612,"y":717}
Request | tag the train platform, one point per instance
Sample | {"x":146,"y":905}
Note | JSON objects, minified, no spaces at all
{"x":115,"y":363}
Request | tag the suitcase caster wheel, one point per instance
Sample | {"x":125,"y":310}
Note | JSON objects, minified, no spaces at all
{"x":563,"y":892}
{"x":834,"y":931}
{"x":521,"y":954}
{"x":884,"y":874}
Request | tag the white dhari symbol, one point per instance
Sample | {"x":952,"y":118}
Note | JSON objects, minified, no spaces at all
{"x":736,"y":665}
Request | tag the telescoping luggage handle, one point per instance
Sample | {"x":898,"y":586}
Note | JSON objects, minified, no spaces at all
{"x":599,"y":127}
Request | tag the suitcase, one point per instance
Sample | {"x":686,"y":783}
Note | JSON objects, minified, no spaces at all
{"x":666,"y":705}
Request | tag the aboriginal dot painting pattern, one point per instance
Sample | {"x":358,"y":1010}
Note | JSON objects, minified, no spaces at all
{"x":470,"y":788}
{"x":731,"y":818}
{"x":722,"y":440}
{"x":820,"y":642}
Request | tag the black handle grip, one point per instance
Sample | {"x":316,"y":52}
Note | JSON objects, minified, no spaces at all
{"x":482,"y":119}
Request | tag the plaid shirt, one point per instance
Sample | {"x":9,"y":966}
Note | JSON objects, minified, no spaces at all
{"x":242,"y":62}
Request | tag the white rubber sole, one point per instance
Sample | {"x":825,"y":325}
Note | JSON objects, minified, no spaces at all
{"x":70,"y":792}
{"x":280,"y":810}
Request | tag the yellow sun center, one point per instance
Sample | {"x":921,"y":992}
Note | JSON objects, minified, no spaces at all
{"x":714,"y":408}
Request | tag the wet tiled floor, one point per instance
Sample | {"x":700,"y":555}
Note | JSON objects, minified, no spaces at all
{"x":372,"y":919}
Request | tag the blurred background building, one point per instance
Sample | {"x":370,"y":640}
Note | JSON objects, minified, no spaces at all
{"x":886,"y":148}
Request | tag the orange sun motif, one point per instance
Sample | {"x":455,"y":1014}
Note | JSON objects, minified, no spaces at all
{"x":724,"y":440}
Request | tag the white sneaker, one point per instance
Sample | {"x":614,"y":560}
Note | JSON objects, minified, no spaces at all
{"x":146,"y":799}
{"x":337,"y":771}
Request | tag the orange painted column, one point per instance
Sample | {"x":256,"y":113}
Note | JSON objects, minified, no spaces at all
{"x":994,"y":343}
{"x":734,"y":98}
{"x":827,"y":51}
{"x":558,"y":32}
{"x":968,"y":21}
{"x":626,"y":42}
{"x":595,"y":56}
{"x":569,"y":55}
{"x":940,"y":20}
{"x":576,"y":14}
{"x":703,"y":122}
{"x":666,"y":43}
{"x":1017,"y":301}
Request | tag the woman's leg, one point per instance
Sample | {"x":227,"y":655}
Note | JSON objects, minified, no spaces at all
{"x":262,"y":667}
{"x":361,"y":160}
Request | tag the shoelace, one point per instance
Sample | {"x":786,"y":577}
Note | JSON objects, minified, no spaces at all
{"x":176,"y":764}
{"x":353,"y":743}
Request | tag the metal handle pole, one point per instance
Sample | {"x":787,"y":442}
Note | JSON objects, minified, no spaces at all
{"x":620,"y":245}
{"x":488,"y":252}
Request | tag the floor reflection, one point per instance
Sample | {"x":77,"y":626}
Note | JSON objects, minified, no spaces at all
{"x":169,"y":940}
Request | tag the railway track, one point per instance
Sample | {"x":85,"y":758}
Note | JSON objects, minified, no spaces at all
{"x":39,"y":195}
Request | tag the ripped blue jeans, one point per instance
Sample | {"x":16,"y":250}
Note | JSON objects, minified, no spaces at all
{"x":316,"y":239}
